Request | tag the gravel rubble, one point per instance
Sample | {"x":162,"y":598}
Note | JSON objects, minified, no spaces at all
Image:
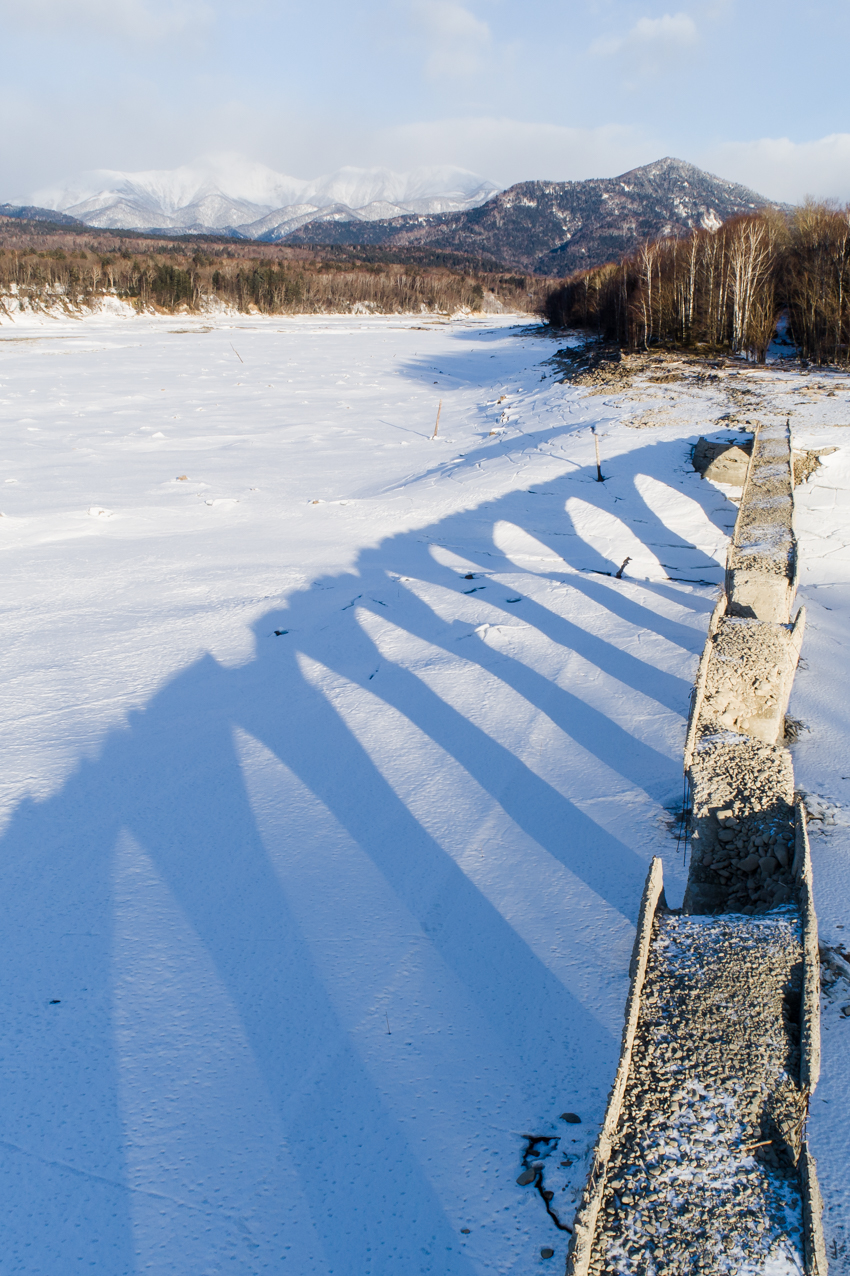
{"x":715,"y":1070}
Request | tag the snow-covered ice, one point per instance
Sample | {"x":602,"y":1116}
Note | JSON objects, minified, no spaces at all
{"x":333,"y":767}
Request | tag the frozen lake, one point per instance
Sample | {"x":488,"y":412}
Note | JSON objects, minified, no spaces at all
{"x":332,"y":768}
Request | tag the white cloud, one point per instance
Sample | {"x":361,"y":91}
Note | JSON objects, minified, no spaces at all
{"x":786,"y":170}
{"x":139,"y":133}
{"x":456,"y":39}
{"x":143,"y":21}
{"x":651,"y":40}
{"x":508,"y":151}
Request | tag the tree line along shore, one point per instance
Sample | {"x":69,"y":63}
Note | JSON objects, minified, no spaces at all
{"x":725,"y":291}
{"x":40,"y":269}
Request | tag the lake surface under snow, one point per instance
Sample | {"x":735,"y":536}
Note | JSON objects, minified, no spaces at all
{"x":333,"y":764}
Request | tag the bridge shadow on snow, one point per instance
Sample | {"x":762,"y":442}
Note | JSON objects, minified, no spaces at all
{"x":173,"y":780}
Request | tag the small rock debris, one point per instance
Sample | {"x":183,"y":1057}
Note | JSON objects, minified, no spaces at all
{"x":718,"y":1120}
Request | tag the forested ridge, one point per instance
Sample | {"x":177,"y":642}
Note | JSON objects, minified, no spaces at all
{"x":725,"y":289}
{"x":40,"y":269}
{"x":722,"y":290}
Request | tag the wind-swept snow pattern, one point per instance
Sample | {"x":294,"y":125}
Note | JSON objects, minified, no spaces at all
{"x":334,"y":761}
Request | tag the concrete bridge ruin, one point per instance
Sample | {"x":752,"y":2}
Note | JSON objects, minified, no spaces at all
{"x":702,"y":1164}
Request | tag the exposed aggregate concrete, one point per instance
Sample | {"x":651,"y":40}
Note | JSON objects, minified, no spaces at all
{"x":715,"y":1067}
{"x":762,"y":559}
{"x":808,"y":463}
{"x":722,"y":462}
{"x":750,"y":676}
{"x":743,"y":841}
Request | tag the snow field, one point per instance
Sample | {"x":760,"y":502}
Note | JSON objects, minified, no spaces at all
{"x":819,"y":701}
{"x":331,"y":776}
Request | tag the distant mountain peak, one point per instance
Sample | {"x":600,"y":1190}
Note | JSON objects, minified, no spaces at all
{"x":544,"y":227}
{"x":677,"y":170}
{"x":556,"y":228}
{"x":669,"y":164}
{"x":228,"y":192}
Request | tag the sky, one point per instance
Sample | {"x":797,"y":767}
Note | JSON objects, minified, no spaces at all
{"x":510,"y":89}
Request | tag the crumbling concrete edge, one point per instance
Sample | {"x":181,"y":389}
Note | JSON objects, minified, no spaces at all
{"x":584,"y":1226}
{"x":798,"y":628}
{"x":733,"y":539}
{"x":814,"y":1246}
{"x":810,"y":1045}
{"x":752,"y":591}
{"x":702,"y":674}
{"x":745,"y":490}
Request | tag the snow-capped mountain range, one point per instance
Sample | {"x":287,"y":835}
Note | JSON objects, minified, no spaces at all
{"x":234,"y":195}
